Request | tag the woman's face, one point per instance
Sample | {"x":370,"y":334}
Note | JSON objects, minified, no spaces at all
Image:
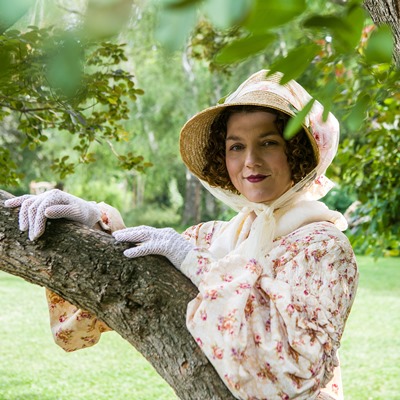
{"x":255,"y":156}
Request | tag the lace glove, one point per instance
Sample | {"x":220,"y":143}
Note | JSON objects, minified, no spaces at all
{"x":35,"y":209}
{"x":166,"y":242}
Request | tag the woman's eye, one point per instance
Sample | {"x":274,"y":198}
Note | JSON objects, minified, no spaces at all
{"x":269,"y":143}
{"x":236,"y":147}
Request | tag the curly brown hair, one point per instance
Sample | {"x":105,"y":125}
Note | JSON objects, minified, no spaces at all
{"x":299,"y":151}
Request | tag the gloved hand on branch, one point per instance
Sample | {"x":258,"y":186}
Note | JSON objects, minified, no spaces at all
{"x":148,"y":240}
{"x":53,"y":204}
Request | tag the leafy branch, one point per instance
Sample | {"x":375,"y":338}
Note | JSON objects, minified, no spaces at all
{"x":55,"y":81}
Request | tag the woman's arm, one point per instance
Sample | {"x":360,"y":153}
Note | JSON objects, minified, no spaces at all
{"x":73,"y":328}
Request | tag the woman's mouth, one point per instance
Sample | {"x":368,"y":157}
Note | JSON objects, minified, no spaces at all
{"x":255,"y":178}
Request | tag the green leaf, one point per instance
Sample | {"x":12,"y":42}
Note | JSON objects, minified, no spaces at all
{"x":173,"y":27}
{"x":179,"y":4}
{"x":326,"y":96}
{"x":345,"y":28}
{"x":331,"y":22}
{"x":358,"y":112}
{"x":222,"y":99}
{"x":355,"y":18}
{"x":294,"y":125}
{"x":243,"y":48}
{"x":64,"y":66}
{"x":12,"y":11}
{"x":380,"y":46}
{"x":295,"y":63}
{"x":265,"y":15}
{"x":226,"y":13}
{"x":112,"y":100}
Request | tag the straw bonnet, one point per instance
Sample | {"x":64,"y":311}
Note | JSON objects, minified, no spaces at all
{"x":262,"y":90}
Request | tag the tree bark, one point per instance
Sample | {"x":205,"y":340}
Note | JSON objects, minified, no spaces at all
{"x":192,"y":205}
{"x":143,"y":299}
{"x":387,"y":12}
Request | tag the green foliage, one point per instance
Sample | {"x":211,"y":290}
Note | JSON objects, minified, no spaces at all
{"x":344,"y":26}
{"x":252,"y":45}
{"x":294,"y":124}
{"x":380,"y":46}
{"x":51,"y":80}
{"x":367,"y":162}
{"x":12,"y":11}
{"x":295,"y":63}
{"x":153,"y":215}
{"x":7,"y":164}
{"x":209,"y":44}
{"x":225,"y":13}
{"x":266,"y":15}
{"x":333,"y":50}
{"x":346,"y":63}
{"x":357,"y":114}
{"x":373,"y":168}
{"x":265,"y":22}
{"x":340,"y":198}
{"x":178,"y":18}
{"x":175,"y":24}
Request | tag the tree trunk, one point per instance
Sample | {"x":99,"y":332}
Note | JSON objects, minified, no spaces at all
{"x":387,"y":12}
{"x":211,"y":208}
{"x":135,"y":297}
{"x":192,"y":205}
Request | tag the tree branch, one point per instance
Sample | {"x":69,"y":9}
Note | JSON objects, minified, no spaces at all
{"x":144,"y":299}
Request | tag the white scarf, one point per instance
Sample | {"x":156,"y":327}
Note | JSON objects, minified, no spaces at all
{"x":295,"y":208}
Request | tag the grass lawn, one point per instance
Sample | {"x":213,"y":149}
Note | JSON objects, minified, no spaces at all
{"x":370,"y":352}
{"x":33,"y":368}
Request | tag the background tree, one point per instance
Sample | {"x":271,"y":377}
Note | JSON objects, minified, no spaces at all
{"x":54,"y":81}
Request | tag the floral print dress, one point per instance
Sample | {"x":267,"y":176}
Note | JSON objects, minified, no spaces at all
{"x":271,"y":331}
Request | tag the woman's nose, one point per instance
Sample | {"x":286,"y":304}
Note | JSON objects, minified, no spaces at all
{"x":252,"y":158}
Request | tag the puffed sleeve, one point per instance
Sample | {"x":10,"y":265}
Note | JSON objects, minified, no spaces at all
{"x":73,"y":328}
{"x":272,"y":327}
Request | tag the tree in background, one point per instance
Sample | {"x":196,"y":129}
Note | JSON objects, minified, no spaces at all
{"x":56,"y":80}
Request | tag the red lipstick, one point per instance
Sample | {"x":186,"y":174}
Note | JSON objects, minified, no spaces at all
{"x":255,"y":178}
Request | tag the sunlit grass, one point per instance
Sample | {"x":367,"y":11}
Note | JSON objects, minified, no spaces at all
{"x":370,"y":353}
{"x":33,"y":368}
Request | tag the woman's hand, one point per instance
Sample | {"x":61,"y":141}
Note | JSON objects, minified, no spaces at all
{"x":166,"y":242}
{"x":35,"y":209}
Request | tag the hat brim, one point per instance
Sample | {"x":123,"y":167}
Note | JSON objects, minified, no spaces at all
{"x":195,"y":133}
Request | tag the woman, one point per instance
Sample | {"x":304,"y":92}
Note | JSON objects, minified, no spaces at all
{"x":277,"y":282}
